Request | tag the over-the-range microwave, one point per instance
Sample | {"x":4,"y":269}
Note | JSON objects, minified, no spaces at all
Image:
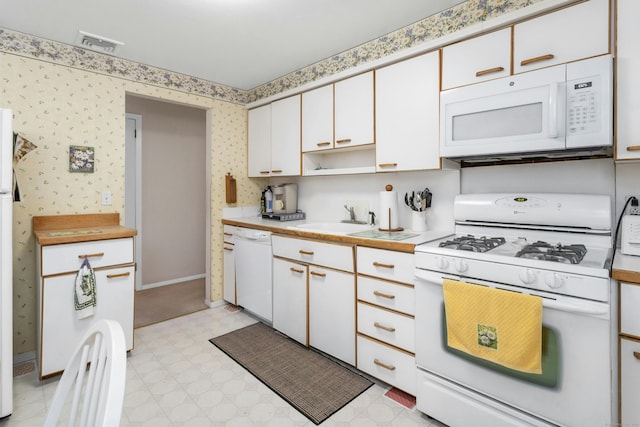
{"x":555,"y":109}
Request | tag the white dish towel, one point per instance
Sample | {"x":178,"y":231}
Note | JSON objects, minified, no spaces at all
{"x":84,"y":291}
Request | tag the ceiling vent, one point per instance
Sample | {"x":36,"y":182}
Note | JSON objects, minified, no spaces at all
{"x":97,"y":43}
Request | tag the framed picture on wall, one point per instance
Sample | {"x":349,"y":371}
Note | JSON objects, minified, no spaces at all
{"x":81,"y":159}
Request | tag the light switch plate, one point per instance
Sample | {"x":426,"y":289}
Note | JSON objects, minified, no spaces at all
{"x":106,"y":198}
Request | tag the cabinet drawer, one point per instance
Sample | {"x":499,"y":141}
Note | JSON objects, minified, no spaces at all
{"x":630,"y":309}
{"x":629,"y":382}
{"x":385,"y":264}
{"x":66,"y":258}
{"x":386,"y":294}
{"x":61,"y":329}
{"x":383,"y":325}
{"x":329,"y":255}
{"x":387,"y":364}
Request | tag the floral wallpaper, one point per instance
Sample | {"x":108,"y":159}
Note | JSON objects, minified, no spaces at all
{"x":62,"y":95}
{"x":433,"y":27}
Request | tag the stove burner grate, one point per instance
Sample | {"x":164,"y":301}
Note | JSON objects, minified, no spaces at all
{"x":569,"y":254}
{"x":473,"y":244}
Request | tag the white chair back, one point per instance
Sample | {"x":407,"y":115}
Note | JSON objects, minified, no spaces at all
{"x":97,"y":374}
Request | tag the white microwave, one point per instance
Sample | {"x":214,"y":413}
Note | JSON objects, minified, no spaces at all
{"x":560,"y":108}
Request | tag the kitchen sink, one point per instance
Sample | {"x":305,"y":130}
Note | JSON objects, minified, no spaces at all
{"x":332,"y":227}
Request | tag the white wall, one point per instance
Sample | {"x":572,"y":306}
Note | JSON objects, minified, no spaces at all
{"x":323,"y":198}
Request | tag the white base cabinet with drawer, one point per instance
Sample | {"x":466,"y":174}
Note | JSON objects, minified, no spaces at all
{"x":324,"y":273}
{"x":629,"y":355}
{"x":59,"y":329}
{"x":386,"y":324}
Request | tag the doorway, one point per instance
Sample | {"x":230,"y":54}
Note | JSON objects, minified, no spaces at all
{"x":166,"y":200}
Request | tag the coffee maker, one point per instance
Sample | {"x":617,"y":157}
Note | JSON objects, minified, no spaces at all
{"x":285,"y":198}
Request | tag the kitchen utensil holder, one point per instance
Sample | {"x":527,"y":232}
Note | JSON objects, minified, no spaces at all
{"x":419,"y":220}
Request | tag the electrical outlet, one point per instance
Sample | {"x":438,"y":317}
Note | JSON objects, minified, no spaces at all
{"x":106,"y":198}
{"x":634,"y":207}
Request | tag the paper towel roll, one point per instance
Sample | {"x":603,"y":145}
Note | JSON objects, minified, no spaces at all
{"x":388,"y":210}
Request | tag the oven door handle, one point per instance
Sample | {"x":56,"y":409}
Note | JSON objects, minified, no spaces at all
{"x":593,"y":309}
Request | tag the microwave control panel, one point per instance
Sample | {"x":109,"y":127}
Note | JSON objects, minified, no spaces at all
{"x":583,"y":106}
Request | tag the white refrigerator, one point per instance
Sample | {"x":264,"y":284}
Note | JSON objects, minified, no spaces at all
{"x":6,"y":263}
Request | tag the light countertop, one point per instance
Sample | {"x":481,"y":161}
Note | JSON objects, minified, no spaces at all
{"x":626,"y":268}
{"x":285,"y":227}
{"x":57,"y":229}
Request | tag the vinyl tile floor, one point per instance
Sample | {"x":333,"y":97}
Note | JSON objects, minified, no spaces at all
{"x":176,"y":377}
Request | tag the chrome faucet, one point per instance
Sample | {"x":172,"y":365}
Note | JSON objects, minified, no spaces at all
{"x":373,"y":218}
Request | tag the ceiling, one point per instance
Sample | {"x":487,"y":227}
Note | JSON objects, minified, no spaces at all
{"x":238,"y":43}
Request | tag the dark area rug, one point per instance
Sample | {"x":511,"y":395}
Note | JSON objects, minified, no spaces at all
{"x":313,"y":384}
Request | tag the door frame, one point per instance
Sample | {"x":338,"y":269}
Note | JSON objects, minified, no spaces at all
{"x":133,"y":171}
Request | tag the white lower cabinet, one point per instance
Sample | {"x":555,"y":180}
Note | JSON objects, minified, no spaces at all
{"x":59,"y":328}
{"x":332,"y":317}
{"x":321,"y":276}
{"x":386,"y":325}
{"x":387,"y":363}
{"x":629,"y":382}
{"x":229,"y":266}
{"x":290,"y":299}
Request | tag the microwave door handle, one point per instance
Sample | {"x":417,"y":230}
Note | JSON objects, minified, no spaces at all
{"x":553,"y":110}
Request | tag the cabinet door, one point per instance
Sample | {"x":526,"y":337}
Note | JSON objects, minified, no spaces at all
{"x":628,"y":94}
{"x":332,"y":313}
{"x":573,"y":33}
{"x":290,"y":299}
{"x":61,"y":329}
{"x":407,"y":104}
{"x":229,"y":280}
{"x":285,"y":137}
{"x":478,"y":59}
{"x":629,"y":382}
{"x":259,"y":142}
{"x":317,"y":119}
{"x":354,"y":111}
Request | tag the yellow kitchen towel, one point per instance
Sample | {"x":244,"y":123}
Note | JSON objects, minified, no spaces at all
{"x":500,"y":326}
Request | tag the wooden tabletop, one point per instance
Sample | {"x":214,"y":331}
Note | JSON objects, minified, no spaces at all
{"x":57,"y":229}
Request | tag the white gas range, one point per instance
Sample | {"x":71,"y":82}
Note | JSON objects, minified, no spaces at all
{"x":554,"y":246}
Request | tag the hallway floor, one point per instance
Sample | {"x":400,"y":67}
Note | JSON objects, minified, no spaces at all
{"x":175,"y":377}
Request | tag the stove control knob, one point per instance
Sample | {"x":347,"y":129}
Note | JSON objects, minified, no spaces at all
{"x":460,"y":266}
{"x":528,"y":276}
{"x":554,"y":280}
{"x":443,"y":263}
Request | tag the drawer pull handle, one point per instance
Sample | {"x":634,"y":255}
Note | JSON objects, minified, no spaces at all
{"x":536,"y":59}
{"x":386,"y":328}
{"x":636,"y":354}
{"x":343,"y":141}
{"x":228,"y":234}
{"x":228,"y":249}
{"x":264,"y":172}
{"x":318,"y":274}
{"x":387,"y":165}
{"x":379,"y":264}
{"x":113,"y":276}
{"x":91,"y":255}
{"x":276,"y":171}
{"x":228,"y":243}
{"x":489,"y":71}
{"x":296,"y":270}
{"x":633,"y":148}
{"x":323,"y":144}
{"x":384,"y":365}
{"x":303,"y":252}
{"x":383,"y":295}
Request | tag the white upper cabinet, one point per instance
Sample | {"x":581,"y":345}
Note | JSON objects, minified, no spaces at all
{"x":353,"y":104}
{"x":259,"y":146}
{"x":476,"y":60}
{"x":573,"y":33}
{"x":317,"y":119}
{"x":407,"y":115}
{"x":628,"y":87}
{"x":285,"y":137}
{"x":274,"y":139}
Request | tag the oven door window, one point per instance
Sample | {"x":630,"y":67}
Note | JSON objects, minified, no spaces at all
{"x":551,"y":369}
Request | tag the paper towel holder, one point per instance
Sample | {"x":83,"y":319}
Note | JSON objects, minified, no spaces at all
{"x":389,"y":187}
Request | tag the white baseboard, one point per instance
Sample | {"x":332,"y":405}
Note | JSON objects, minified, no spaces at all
{"x":174,"y":281}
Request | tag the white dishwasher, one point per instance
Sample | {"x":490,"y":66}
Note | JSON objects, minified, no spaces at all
{"x":253,"y":258}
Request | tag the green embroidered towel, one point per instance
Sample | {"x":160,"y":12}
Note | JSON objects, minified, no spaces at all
{"x":84,"y":291}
